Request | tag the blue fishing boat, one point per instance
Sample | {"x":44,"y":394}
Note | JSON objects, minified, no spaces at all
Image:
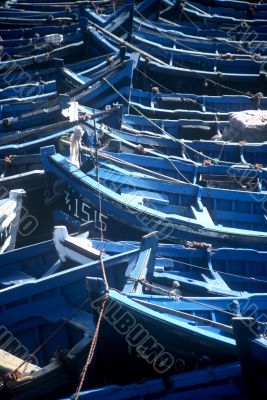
{"x":182,"y":128}
{"x":20,"y":171}
{"x":225,"y":271}
{"x":170,"y":52}
{"x":201,"y":13}
{"x":58,"y":309}
{"x":146,"y":200}
{"x":158,"y":105}
{"x":207,"y":174}
{"x":24,"y":86}
{"x":194,"y":331}
{"x":208,"y":34}
{"x":10,"y":210}
{"x":21,"y":99}
{"x":65,"y":252}
{"x":236,"y":4}
{"x":195,"y":150}
{"x":31,"y":32}
{"x":232,"y":177}
{"x":181,"y":79}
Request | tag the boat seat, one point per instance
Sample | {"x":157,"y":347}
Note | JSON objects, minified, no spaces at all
{"x":14,"y":278}
{"x":163,"y":263}
{"x":203,"y":217}
{"x":143,"y":196}
{"x":81,"y":320}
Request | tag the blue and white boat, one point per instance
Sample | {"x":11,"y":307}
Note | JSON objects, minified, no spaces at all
{"x":148,"y":201}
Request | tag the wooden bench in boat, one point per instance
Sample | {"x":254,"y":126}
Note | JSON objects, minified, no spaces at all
{"x":14,"y":278}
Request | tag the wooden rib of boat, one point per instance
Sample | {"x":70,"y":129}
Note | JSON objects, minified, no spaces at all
{"x":10,"y":210}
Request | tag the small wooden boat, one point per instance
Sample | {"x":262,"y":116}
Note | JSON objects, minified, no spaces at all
{"x":10,"y":209}
{"x":65,"y":252}
{"x":253,"y":154}
{"x":171,"y":52}
{"x":57,"y":308}
{"x":148,"y":200}
{"x":225,"y":271}
{"x":154,"y":104}
{"x":182,"y":79}
{"x":210,"y":37}
{"x":164,"y":331}
{"x":235,"y":4}
{"x":227,"y":176}
{"x":182,"y":128}
{"x":199,"y":12}
{"x":31,"y":32}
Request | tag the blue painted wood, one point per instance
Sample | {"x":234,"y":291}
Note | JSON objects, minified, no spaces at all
{"x":233,"y":177}
{"x":237,"y":5}
{"x":202,"y":13}
{"x":194,"y":150}
{"x":236,"y":218}
{"x":162,"y":322}
{"x":208,"y":381}
{"x":252,"y":347}
{"x":57,"y":309}
{"x":216,"y":271}
{"x":171,"y":52}
{"x":176,"y":128}
{"x":96,"y":95}
{"x":30,"y":140}
{"x":205,"y":30}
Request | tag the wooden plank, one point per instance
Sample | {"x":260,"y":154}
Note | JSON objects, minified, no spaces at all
{"x":10,"y":363}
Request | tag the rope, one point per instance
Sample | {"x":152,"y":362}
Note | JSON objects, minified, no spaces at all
{"x":189,"y":299}
{"x":91,"y":351}
{"x":97,"y":329}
